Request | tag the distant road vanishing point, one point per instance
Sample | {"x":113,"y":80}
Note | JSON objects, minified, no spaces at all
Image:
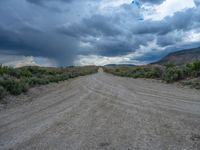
{"x":104,"y":112}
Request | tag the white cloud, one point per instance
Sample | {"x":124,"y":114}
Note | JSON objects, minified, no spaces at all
{"x":103,"y":60}
{"x":151,"y":47}
{"x":96,"y":60}
{"x":167,"y":8}
{"x":19,"y":61}
{"x":191,"y":36}
{"x":105,"y":4}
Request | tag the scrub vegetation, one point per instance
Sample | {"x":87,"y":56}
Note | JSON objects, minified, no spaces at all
{"x":188,"y":74}
{"x":18,"y":80}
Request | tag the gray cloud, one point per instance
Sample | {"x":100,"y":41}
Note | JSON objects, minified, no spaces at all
{"x":180,"y":21}
{"x":80,"y":28}
{"x":95,"y":26}
{"x":153,"y":1}
{"x":117,"y":37}
{"x":42,"y":2}
{"x":29,"y":43}
{"x":197,"y":2}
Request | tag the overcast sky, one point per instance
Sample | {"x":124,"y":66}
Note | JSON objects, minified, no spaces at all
{"x":86,"y":32}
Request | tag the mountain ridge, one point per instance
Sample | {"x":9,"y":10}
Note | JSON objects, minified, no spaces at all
{"x":181,"y":57}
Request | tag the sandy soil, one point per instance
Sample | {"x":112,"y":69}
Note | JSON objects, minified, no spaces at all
{"x":103,"y":112}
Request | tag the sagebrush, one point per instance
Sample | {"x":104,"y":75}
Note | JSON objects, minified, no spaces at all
{"x":168,"y":73}
{"x":17,"y":80}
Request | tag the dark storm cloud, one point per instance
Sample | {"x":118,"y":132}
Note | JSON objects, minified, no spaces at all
{"x":29,"y":43}
{"x":42,"y":2}
{"x":31,"y":34}
{"x":166,"y":40}
{"x":149,"y":27}
{"x":197,"y":2}
{"x":108,"y":35}
{"x":153,"y":1}
{"x":117,"y":46}
{"x":95,"y":26}
{"x":114,"y":40}
{"x":113,"y":48}
{"x":180,"y":21}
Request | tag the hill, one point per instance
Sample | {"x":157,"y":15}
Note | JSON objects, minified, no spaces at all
{"x":119,"y":65}
{"x":181,"y":57}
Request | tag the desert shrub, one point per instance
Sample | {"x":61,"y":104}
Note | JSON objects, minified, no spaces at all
{"x":192,"y":70}
{"x":31,"y":81}
{"x":53,"y":79}
{"x":18,"y":80}
{"x":194,"y":83}
{"x":170,"y":65}
{"x":136,"y":72}
{"x":155,"y":72}
{"x":187,"y":71}
{"x":14,"y":87}
{"x":14,"y":72}
{"x":9,"y":71}
{"x":25,"y":73}
{"x":196,"y":66}
{"x":4,"y":69}
{"x":37,"y":81}
{"x":172,"y":74}
{"x":117,"y":70}
{"x":3,"y":92}
{"x":168,"y":73}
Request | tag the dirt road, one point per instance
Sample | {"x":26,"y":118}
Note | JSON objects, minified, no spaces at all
{"x":104,"y":112}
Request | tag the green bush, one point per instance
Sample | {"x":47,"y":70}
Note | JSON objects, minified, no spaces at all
{"x":37,"y":81}
{"x":154,"y":73}
{"x":196,"y":66}
{"x":18,"y":80}
{"x":137,"y":71}
{"x":172,"y":74}
{"x":187,"y":71}
{"x":2,"y":92}
{"x":25,"y":73}
{"x":170,"y":65}
{"x":15,"y":87}
{"x":4,"y":70}
{"x":194,"y":83}
{"x":14,"y":73}
{"x":168,"y":73}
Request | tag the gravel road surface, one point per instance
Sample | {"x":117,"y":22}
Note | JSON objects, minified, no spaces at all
{"x":104,"y":112}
